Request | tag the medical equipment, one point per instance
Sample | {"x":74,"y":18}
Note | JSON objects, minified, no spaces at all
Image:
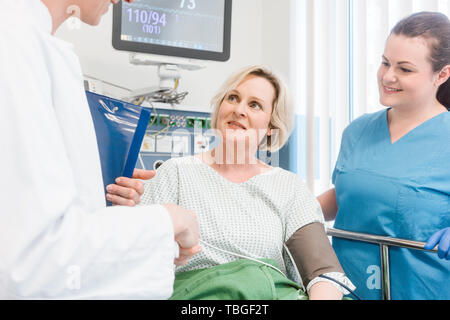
{"x":194,"y":29}
{"x":174,"y":133}
{"x":172,"y":35}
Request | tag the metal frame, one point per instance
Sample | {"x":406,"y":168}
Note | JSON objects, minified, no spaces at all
{"x":384,"y":243}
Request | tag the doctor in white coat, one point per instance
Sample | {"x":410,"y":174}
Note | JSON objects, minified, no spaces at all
{"x":57,"y":237}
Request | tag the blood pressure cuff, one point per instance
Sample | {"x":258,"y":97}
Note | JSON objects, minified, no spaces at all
{"x":120,"y":128}
{"x":312,"y":252}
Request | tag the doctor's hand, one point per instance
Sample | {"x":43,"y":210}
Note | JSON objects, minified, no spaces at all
{"x":185,"y":227}
{"x":442,"y":238}
{"x":126,"y":191}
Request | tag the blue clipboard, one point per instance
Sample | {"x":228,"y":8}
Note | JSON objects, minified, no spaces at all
{"x":120,"y":129}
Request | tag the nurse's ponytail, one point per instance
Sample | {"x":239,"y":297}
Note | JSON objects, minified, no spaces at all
{"x":435,"y":28}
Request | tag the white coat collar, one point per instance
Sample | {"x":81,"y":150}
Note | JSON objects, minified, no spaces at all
{"x":42,"y":14}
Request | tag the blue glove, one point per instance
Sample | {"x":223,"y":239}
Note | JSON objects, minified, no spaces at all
{"x":443,"y":238}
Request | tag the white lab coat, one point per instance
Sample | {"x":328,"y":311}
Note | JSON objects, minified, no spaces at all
{"x":57,"y":238}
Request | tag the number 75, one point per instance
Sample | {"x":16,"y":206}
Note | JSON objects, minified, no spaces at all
{"x":191,"y":4}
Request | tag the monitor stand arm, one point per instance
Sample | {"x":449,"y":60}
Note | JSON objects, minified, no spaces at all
{"x":168,"y":71}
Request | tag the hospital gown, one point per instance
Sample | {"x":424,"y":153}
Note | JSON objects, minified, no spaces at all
{"x":253,"y":218}
{"x":57,"y":238}
{"x":399,"y":190}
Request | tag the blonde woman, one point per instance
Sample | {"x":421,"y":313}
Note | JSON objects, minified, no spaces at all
{"x":246,"y":208}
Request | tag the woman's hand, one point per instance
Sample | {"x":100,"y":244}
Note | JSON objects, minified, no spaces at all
{"x":442,"y":237}
{"x":128,"y":191}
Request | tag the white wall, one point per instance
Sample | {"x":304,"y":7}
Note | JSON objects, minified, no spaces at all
{"x":258,"y":36}
{"x":277,"y":45}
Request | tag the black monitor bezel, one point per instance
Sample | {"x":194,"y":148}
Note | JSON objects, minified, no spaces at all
{"x":122,"y":45}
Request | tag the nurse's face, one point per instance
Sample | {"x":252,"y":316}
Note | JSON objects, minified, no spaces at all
{"x":91,"y":11}
{"x":405,"y":77}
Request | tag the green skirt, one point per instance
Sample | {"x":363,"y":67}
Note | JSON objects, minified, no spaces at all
{"x":238,"y":280}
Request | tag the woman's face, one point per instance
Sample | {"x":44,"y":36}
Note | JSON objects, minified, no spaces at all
{"x":246,"y":111}
{"x":405,"y":77}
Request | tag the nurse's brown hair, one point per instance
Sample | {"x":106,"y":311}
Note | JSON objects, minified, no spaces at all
{"x":435,"y":28}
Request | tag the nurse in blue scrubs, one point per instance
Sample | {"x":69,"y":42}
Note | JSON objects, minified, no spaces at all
{"x":392,"y":176}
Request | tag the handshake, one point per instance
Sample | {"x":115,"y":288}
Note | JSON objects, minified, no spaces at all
{"x":128,"y":192}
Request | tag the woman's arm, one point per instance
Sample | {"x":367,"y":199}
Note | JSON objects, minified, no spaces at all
{"x":324,"y":291}
{"x":314,"y":256}
{"x":328,"y":203}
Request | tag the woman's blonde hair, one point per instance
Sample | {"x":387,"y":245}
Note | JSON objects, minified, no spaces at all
{"x":281,"y":121}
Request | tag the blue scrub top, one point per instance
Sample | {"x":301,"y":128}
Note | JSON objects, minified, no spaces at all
{"x":399,"y":190}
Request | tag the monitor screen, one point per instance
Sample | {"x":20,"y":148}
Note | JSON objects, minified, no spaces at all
{"x":198,"y":29}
